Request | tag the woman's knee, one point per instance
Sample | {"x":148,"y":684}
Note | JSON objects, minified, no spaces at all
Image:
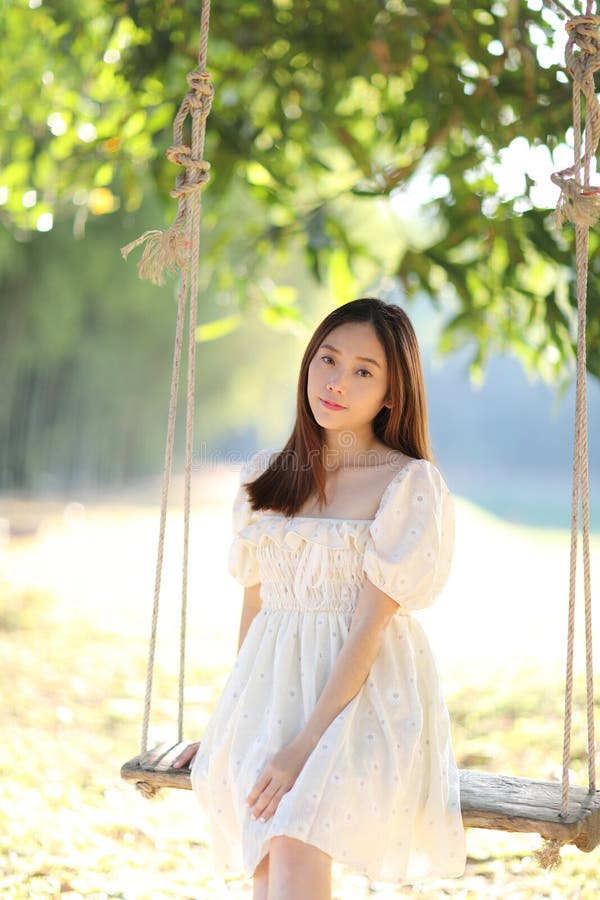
{"x":296,"y":852}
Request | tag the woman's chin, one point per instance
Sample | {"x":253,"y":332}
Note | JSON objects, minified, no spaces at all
{"x":324,"y":419}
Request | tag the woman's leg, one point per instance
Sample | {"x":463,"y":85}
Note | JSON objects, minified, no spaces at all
{"x":298,"y":870}
{"x":260,"y":880}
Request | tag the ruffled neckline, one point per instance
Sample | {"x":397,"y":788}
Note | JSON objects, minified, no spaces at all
{"x":336,"y":534}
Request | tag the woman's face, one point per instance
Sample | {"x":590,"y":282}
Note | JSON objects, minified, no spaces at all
{"x":348,"y":369}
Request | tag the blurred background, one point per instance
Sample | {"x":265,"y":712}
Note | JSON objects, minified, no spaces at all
{"x":391,"y":149}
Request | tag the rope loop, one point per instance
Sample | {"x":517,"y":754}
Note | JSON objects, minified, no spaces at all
{"x":187,"y":188}
{"x":201,"y":93}
{"x":582,"y":30}
{"x":181,"y":155}
{"x":583,"y":34}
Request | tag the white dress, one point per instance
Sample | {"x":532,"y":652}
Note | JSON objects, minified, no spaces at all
{"x":380,"y":791}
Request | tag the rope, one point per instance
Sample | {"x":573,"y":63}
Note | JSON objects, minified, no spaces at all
{"x":579,"y":204}
{"x":177,"y":250}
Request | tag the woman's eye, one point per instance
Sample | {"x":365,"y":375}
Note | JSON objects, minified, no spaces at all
{"x":326,"y":358}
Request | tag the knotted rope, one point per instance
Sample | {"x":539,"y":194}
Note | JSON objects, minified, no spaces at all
{"x":147,"y":790}
{"x":177,"y":249}
{"x":170,"y":250}
{"x":579,"y":203}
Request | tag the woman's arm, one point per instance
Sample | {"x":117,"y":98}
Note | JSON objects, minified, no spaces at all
{"x":373,"y":612}
{"x":251,"y":607}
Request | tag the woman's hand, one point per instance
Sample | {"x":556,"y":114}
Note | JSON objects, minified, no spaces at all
{"x":277,"y":777}
{"x":186,"y":756}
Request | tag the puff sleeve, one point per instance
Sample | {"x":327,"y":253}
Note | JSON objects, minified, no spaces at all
{"x":241,"y":559}
{"x":411,"y":540}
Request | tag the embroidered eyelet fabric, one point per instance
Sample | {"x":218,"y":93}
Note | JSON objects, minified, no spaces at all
{"x":380,"y":791}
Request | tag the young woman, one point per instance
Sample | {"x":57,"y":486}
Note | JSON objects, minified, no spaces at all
{"x":331,"y":739}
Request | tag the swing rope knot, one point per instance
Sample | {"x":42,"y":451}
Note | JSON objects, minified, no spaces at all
{"x":582,"y":30}
{"x":170,"y":251}
{"x":147,"y":790}
{"x":580,"y":204}
{"x":201,"y":92}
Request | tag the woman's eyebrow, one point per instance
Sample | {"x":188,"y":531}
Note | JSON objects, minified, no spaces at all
{"x":363,"y":358}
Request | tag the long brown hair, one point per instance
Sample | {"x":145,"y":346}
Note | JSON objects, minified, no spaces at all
{"x":297,"y":471}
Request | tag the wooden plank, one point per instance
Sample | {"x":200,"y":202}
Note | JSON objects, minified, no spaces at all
{"x":488,"y":800}
{"x":529,"y":805}
{"x":154,"y":768}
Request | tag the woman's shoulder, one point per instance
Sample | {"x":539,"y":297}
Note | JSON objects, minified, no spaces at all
{"x":424,"y":468}
{"x":416,"y":478}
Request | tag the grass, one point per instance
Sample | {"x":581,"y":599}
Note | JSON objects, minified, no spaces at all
{"x":74,"y":610}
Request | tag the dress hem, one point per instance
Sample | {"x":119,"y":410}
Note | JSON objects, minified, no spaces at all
{"x":433,"y":874}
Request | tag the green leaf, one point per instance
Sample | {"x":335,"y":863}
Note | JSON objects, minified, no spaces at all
{"x":218,"y":328}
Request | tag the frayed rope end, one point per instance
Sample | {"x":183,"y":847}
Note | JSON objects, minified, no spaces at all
{"x":548,"y":856}
{"x":164,"y":251}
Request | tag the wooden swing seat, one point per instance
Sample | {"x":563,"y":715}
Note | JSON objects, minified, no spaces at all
{"x":502,"y":802}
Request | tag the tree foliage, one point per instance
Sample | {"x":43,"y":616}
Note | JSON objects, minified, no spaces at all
{"x":320,"y":108}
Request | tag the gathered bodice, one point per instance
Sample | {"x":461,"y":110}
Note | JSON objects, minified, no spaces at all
{"x":311,"y":563}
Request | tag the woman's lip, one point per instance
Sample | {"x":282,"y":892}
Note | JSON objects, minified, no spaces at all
{"x":330,"y":405}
